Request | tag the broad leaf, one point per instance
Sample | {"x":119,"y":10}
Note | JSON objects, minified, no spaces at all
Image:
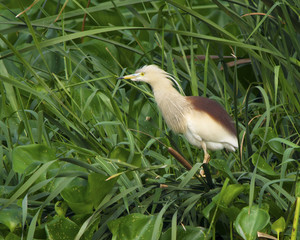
{"x":84,"y":195}
{"x":11,"y":217}
{"x":61,"y":228}
{"x":279,"y":225}
{"x":231,"y":192}
{"x":274,"y":145}
{"x":134,"y":226}
{"x":24,"y":156}
{"x":98,"y":187}
{"x":248,"y":223}
{"x":77,"y":197}
{"x":262,"y":165}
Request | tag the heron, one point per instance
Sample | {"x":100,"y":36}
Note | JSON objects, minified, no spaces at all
{"x":202,"y":121}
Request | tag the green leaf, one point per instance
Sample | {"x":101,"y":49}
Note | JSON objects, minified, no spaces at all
{"x":11,"y":217}
{"x":61,"y":208}
{"x":98,"y":187}
{"x":231,"y":192}
{"x":208,"y":210}
{"x":24,"y":156}
{"x":188,"y":233}
{"x":84,"y":195}
{"x":61,"y":228}
{"x":263,"y":165}
{"x":134,"y":226}
{"x":77,"y":197}
{"x":231,"y":212}
{"x":124,"y":155}
{"x":97,"y":48}
{"x":189,"y":175}
{"x":284,"y":141}
{"x":28,"y":183}
{"x":80,"y":220}
{"x":249,"y":222}
{"x":271,"y":135}
{"x":222,"y":166}
{"x":279,"y":225}
{"x":11,"y":236}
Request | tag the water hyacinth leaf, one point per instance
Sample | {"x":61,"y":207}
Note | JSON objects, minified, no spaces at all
{"x":77,"y":197}
{"x":279,"y":225}
{"x":188,"y":233}
{"x":274,"y":145}
{"x":61,"y":228}
{"x":98,"y":187}
{"x":11,"y":217}
{"x":231,"y":192}
{"x":262,"y":165}
{"x":134,"y":226}
{"x":24,"y":156}
{"x":84,"y":195}
{"x":249,"y":222}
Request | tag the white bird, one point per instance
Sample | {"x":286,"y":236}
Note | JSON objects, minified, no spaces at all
{"x":203,"y":122}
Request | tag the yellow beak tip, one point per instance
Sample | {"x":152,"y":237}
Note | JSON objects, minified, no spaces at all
{"x":125,"y":77}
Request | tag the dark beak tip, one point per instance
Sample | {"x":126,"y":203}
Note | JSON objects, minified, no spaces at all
{"x":120,"y":78}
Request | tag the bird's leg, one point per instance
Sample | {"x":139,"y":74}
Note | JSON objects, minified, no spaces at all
{"x":204,"y":172}
{"x":206,"y":155}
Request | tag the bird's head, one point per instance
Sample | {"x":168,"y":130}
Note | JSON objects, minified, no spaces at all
{"x":151,"y":74}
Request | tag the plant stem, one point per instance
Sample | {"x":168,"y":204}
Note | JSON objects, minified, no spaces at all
{"x":296,"y":220}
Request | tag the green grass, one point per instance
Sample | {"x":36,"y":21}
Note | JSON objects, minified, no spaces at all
{"x":67,"y":124}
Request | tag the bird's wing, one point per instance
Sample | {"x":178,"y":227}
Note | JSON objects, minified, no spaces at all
{"x":214,"y":110}
{"x":209,"y":122}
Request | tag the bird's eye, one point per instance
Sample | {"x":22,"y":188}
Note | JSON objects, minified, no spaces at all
{"x":142,"y":74}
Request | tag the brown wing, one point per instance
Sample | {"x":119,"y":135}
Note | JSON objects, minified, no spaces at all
{"x":215,"y":110}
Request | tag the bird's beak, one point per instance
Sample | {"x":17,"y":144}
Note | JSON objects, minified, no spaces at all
{"x":130,"y":77}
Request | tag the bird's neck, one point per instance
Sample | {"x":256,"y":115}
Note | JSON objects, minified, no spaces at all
{"x":172,"y":106}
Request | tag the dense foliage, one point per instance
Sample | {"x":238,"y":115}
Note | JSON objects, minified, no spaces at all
{"x":84,"y":155}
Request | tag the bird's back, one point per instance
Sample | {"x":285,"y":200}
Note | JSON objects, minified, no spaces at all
{"x":209,"y":122}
